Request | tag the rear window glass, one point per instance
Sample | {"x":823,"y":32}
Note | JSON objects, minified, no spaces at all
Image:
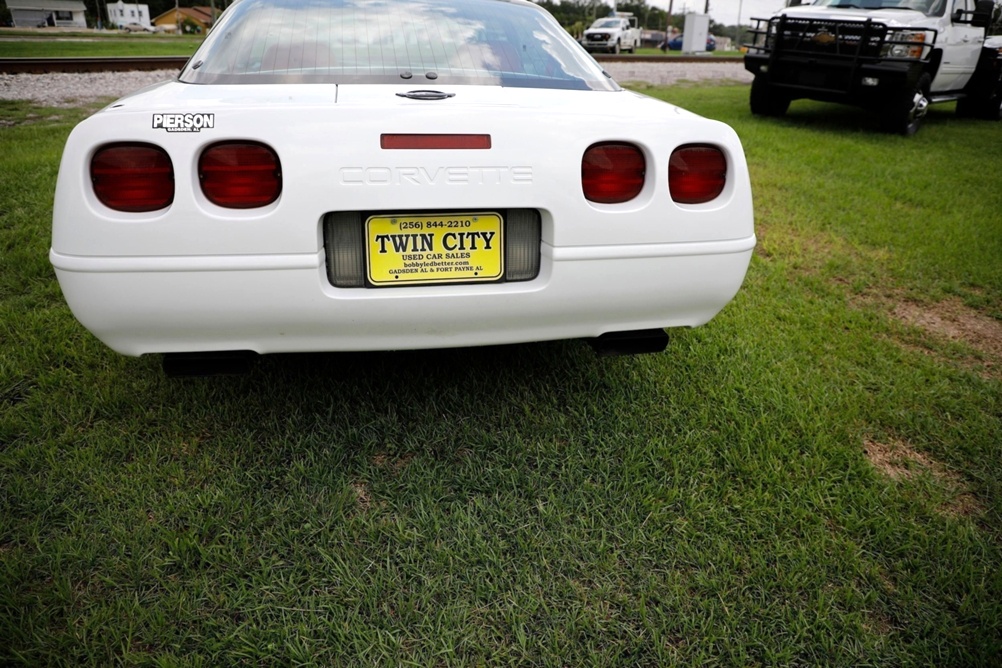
{"x":425,"y":42}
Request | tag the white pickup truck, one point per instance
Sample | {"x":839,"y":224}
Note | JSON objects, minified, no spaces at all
{"x":612,"y":34}
{"x":895,"y":57}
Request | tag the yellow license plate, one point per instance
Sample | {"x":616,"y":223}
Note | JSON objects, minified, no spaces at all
{"x":445,"y":248}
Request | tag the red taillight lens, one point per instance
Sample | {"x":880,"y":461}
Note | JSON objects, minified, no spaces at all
{"x":697,"y":173}
{"x":240,"y":175}
{"x":132,"y":177}
{"x":612,"y":172}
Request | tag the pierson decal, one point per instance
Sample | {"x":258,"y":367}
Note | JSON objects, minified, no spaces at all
{"x":184,"y":122}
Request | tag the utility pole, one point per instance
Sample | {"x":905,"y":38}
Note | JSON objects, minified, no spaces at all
{"x":738,"y":31}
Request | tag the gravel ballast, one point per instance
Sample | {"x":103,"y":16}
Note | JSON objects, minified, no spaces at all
{"x":67,"y":90}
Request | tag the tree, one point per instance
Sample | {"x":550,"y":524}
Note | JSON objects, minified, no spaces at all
{"x":5,"y":17}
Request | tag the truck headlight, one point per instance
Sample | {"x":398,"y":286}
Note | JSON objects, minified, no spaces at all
{"x":904,"y":44}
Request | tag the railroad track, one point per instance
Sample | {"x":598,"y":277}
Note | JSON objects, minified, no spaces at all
{"x":145,"y":63}
{"x":90,"y":64}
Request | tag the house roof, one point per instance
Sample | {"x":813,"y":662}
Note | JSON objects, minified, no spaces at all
{"x":200,"y":14}
{"x":51,"y":5}
{"x":206,"y":12}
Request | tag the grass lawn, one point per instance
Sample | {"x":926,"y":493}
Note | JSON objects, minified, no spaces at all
{"x":63,"y":45}
{"x":813,"y":478}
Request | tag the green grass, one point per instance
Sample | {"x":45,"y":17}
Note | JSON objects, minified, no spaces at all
{"x":711,"y":505}
{"x":97,"y":45}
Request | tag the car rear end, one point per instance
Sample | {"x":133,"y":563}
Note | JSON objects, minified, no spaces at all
{"x":370,"y":215}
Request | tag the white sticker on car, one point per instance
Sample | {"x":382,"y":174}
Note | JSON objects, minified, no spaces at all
{"x":184,"y":122}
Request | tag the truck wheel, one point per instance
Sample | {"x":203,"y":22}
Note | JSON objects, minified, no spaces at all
{"x":968,"y":107}
{"x":615,"y":49}
{"x":906,"y":110}
{"x":766,"y":100}
{"x":984,"y":102}
{"x":992,"y":109}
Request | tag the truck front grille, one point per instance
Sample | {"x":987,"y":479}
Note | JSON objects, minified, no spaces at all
{"x":811,"y":37}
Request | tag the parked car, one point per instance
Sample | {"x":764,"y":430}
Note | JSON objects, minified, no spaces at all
{"x":136,"y":27}
{"x":334,"y":178}
{"x":675,"y":44}
{"x":613,"y":34}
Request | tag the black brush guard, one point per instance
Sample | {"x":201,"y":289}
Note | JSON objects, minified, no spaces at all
{"x":828,"y":56}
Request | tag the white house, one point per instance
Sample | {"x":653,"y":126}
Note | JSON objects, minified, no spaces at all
{"x":121,"y":14}
{"x":57,"y":13}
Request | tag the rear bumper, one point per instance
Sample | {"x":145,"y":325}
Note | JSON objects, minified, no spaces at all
{"x":284,"y":303}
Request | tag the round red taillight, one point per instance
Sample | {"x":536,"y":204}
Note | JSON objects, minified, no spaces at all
{"x":697,"y":173}
{"x":612,"y":172}
{"x":132,"y":177}
{"x":240,"y":175}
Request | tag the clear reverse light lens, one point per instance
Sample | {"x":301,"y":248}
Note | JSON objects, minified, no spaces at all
{"x":346,"y":252}
{"x":522,"y":245}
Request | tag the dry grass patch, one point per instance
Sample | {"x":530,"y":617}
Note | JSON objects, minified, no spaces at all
{"x":396,"y":464}
{"x":953,"y":320}
{"x":878,"y":623}
{"x":363,"y":496}
{"x":950,"y":321}
{"x":898,"y":460}
{"x":811,"y":253}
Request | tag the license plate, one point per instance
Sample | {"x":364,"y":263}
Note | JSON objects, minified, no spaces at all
{"x":435,"y":248}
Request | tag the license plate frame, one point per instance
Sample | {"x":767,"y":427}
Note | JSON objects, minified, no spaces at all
{"x":434,"y":248}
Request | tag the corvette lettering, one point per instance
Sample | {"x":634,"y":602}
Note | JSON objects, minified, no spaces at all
{"x":184,"y":122}
{"x":424,"y":176}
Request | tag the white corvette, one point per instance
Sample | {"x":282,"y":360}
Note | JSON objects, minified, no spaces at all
{"x":336,"y":175}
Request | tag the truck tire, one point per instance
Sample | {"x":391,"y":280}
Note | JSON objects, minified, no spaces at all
{"x":967,"y":107}
{"x":906,"y":109}
{"x":987,"y":105}
{"x":990,"y":108}
{"x":765,"y":100}
{"x":615,"y":49}
{"x":993,"y":107}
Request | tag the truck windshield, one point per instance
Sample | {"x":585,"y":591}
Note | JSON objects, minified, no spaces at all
{"x":927,"y":7}
{"x":607,"y":23}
